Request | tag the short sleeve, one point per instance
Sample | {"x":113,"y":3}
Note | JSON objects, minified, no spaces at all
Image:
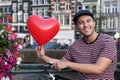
{"x":68,"y":55}
{"x":109,"y":49}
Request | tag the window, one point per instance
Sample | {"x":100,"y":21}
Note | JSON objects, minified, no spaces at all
{"x":19,"y":6}
{"x":57,"y":5}
{"x":25,"y":28}
{"x":61,"y":20}
{"x":67,"y":20}
{"x":40,"y":12}
{"x":35,"y":11}
{"x":14,"y":7}
{"x":56,"y":17}
{"x":19,"y":16}
{"x":35,"y":2}
{"x":107,"y":9}
{"x":40,"y":1}
{"x":25,"y":7}
{"x":114,"y":8}
{"x":25,"y":16}
{"x":46,"y":1}
{"x":4,"y":9}
{"x":86,"y":7}
{"x":14,"y":17}
{"x":64,"y":20}
{"x":8,"y":9}
{"x":79,"y":8}
{"x":19,"y":0}
{"x":111,"y":22}
{"x":45,"y":13}
{"x":68,"y":5}
{"x":1,"y":9}
{"x":15,"y":28}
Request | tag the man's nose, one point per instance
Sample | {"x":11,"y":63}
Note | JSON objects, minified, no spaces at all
{"x":85,"y":24}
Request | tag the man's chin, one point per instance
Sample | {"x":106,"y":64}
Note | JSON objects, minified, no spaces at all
{"x":87,"y":35}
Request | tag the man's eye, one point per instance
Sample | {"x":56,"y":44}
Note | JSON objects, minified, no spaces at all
{"x":88,"y":20}
{"x":79,"y":23}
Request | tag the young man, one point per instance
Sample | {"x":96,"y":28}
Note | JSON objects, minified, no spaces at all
{"x":93,"y":55}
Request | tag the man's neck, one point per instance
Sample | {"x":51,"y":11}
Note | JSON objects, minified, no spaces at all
{"x":91,"y":38}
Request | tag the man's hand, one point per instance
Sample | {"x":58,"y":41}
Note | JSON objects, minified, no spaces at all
{"x":59,"y":65}
{"x":40,"y":51}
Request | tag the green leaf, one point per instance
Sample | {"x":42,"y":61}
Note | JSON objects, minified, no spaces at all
{"x":1,"y":27}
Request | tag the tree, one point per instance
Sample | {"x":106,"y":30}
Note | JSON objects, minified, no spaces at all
{"x":99,"y":18}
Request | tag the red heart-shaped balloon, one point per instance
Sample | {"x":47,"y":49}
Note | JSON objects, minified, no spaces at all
{"x":42,"y":30}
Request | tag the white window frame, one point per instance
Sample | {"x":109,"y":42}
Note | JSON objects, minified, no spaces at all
{"x":14,"y":17}
{"x":20,"y":17}
{"x":107,"y":9}
{"x":25,"y":6}
{"x":114,"y":8}
{"x":19,"y":0}
{"x":40,"y":1}
{"x":68,"y":5}
{"x":61,"y":20}
{"x":19,"y":6}
{"x":68,"y":19}
{"x":35,"y":11}
{"x":40,"y":12}
{"x":14,"y":7}
{"x":25,"y":17}
{"x":57,"y":5}
{"x":46,"y":2}
{"x":35,"y":2}
{"x":25,"y":28}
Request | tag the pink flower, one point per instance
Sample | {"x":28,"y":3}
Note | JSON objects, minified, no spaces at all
{"x":9,"y":25}
{"x":1,"y":54}
{"x":1,"y":75}
{"x":9,"y":66}
{"x":1,"y":21}
{"x":10,"y":76}
{"x":10,"y":60}
{"x":12,"y":36}
{"x":15,"y":47}
{"x":8,"y":50}
{"x":8,"y":53}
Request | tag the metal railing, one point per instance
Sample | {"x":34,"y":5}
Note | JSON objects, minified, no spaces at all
{"x":40,"y":68}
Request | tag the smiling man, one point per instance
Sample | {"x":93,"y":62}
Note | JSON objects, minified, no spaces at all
{"x":93,"y":55}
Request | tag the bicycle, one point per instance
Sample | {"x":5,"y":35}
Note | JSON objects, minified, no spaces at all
{"x":54,"y":76}
{"x":46,"y":72}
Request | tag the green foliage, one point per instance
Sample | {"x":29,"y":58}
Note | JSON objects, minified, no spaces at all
{"x":99,"y":18}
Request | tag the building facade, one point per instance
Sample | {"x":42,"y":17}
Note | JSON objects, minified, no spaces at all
{"x":5,"y":8}
{"x":22,"y":9}
{"x":20,"y":12}
{"x":63,"y":11}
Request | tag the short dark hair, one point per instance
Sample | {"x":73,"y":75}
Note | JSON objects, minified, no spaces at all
{"x":80,"y":13}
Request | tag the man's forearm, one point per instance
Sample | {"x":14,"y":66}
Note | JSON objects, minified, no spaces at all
{"x":48,"y":59}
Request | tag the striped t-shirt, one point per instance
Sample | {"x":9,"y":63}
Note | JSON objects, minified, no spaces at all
{"x":88,"y":53}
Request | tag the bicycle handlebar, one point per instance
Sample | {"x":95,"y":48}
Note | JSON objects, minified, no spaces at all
{"x":36,"y":68}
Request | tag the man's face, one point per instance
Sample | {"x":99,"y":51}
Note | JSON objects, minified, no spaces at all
{"x":85,"y":24}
